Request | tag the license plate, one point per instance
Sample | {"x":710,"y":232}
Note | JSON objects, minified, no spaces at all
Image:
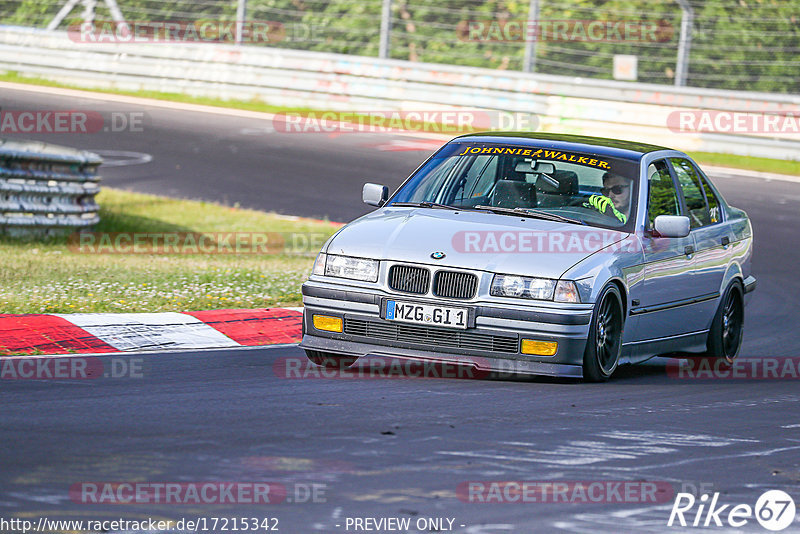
{"x":426,"y":314}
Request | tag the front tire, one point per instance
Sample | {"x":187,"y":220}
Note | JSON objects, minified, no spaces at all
{"x":330,"y":360}
{"x":604,"y":344}
{"x":725,"y":336}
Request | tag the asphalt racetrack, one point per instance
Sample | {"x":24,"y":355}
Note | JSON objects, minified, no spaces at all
{"x":391,"y":447}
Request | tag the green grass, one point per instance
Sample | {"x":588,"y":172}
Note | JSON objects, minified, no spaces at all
{"x":748,"y":163}
{"x":55,"y":276}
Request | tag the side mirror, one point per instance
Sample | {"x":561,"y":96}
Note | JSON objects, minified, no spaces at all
{"x":374,"y":194}
{"x":672,"y":225}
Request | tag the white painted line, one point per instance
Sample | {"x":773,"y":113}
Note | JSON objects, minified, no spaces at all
{"x":723,"y":172}
{"x":707,"y":459}
{"x":403,"y":145}
{"x":52,"y":356}
{"x":149,"y":352}
{"x":150,"y":331}
{"x":124,"y":99}
{"x":122,"y":158}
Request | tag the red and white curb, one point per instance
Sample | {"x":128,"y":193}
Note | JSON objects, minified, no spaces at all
{"x":120,"y":332}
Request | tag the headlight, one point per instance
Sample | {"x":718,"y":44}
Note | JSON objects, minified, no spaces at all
{"x":352,"y":268}
{"x":505,"y":285}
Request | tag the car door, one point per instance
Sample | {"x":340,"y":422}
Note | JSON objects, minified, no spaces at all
{"x":712,"y":236}
{"x":669,"y":264}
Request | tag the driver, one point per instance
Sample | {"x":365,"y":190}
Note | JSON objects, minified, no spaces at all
{"x":616,"y":198}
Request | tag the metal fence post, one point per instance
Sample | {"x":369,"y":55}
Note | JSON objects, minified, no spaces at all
{"x":529,"y":61}
{"x":241,"y":15}
{"x":88,"y":10}
{"x":88,"y":13}
{"x":62,"y":14}
{"x":386,"y":29}
{"x":116,"y":14}
{"x":685,"y":44}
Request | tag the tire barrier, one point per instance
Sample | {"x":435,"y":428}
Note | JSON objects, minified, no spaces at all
{"x":46,"y":189}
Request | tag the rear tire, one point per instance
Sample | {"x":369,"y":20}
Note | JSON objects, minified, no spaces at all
{"x":604,"y":344}
{"x":330,"y":360}
{"x":725,"y":336}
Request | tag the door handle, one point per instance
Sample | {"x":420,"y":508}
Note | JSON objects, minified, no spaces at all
{"x":688,"y":250}
{"x":726,"y":241}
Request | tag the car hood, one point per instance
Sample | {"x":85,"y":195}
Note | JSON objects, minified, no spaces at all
{"x":472,"y":240}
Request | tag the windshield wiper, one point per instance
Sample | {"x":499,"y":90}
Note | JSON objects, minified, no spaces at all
{"x":524,"y":212}
{"x":426,"y":204}
{"x":532,"y":213}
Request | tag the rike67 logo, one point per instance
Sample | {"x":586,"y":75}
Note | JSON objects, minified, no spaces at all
{"x":774,"y":510}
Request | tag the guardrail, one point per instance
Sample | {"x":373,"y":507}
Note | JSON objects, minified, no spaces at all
{"x":356,"y":83}
{"x":46,"y":189}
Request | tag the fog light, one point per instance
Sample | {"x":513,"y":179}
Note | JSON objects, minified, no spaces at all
{"x":330,"y":324}
{"x":539,"y":348}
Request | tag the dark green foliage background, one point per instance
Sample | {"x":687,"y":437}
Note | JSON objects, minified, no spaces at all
{"x":749,"y":45}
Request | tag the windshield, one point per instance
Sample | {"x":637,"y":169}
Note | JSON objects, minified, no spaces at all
{"x":588,"y":188}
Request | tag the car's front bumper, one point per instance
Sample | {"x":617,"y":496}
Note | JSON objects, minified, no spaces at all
{"x":491,"y":344}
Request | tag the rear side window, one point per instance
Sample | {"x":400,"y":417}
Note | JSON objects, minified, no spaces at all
{"x":693,"y":194}
{"x":713,"y":201}
{"x":663,"y":197}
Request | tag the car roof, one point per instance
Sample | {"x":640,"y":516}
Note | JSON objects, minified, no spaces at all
{"x":578,"y":143}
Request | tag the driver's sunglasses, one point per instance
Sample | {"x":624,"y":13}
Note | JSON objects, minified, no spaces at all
{"x":616,"y":189}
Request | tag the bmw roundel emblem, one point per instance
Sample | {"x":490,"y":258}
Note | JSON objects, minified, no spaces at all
{"x":438,"y":255}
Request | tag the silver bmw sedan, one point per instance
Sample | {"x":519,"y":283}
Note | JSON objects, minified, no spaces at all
{"x":539,"y":254}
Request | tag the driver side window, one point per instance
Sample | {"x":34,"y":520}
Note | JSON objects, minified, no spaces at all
{"x":486,"y":172}
{"x":476,"y":180}
{"x":663,"y":197}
